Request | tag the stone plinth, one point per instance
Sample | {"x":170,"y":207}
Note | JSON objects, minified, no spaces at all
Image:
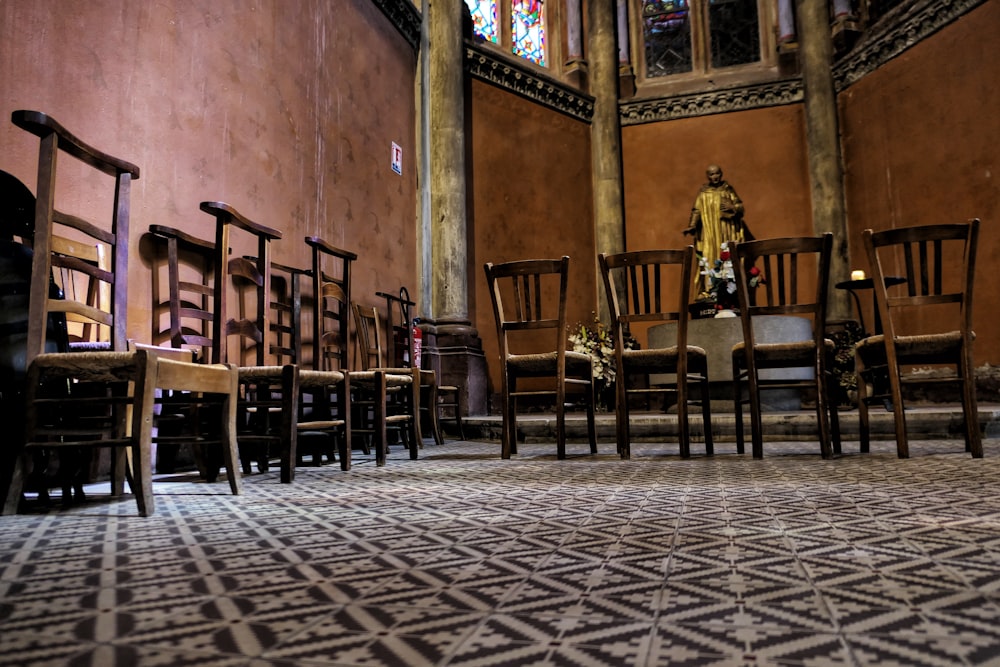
{"x":717,"y":337}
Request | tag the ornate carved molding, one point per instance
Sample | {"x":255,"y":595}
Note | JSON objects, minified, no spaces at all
{"x":752,"y":96}
{"x":885,"y":43}
{"x":488,"y":66}
{"x":405,"y":17}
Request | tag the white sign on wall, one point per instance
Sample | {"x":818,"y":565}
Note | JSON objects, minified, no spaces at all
{"x":397,"y":158}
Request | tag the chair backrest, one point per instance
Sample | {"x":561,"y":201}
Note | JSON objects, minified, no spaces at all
{"x":252,"y":274}
{"x":938,"y":263}
{"x":794,"y":275}
{"x":331,"y":273}
{"x":647,"y":286}
{"x":191,"y":271}
{"x":368,"y":327}
{"x":83,"y":288}
{"x":399,"y":327}
{"x":286,"y":313}
{"x":52,"y":224}
{"x":529,"y":305}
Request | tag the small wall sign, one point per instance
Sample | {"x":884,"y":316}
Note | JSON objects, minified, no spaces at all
{"x":397,"y":158}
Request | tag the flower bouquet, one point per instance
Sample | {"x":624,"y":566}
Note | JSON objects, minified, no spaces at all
{"x":721,"y":281}
{"x":598,"y":342}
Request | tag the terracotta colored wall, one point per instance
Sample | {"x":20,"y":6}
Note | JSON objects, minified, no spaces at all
{"x":532,"y":198}
{"x":761,"y":152}
{"x":285,"y":109}
{"x":920,"y":141}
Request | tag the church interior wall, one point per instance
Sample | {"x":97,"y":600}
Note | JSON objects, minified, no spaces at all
{"x":532,"y":199}
{"x":919,"y":137}
{"x":762,"y":155}
{"x":286,"y":111}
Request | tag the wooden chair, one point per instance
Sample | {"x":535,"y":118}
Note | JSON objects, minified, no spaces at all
{"x":926,"y":321}
{"x":529,"y":305}
{"x":393,"y":393}
{"x":796,"y":277}
{"x":82,"y":400}
{"x":644,"y":288}
{"x":330,"y":406}
{"x":281,"y":398}
{"x":437,"y":400}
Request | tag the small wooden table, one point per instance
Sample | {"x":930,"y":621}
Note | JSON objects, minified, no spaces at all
{"x":867,"y":283}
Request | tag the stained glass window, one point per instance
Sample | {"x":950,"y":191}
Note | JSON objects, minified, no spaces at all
{"x":484,"y":19}
{"x":527,"y":19}
{"x":735,"y":37}
{"x":666,"y":24}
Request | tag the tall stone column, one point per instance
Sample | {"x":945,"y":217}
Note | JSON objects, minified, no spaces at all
{"x":826,"y":176}
{"x":451,"y":346}
{"x":605,"y":138}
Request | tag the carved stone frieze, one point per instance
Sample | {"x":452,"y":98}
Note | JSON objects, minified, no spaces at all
{"x":752,"y":96}
{"x":488,"y":66}
{"x":404,"y":16}
{"x":884,"y":43}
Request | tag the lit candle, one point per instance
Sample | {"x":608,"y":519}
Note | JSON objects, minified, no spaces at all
{"x":857,"y":275}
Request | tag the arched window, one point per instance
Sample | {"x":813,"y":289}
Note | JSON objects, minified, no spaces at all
{"x":518,"y":26}
{"x":699,"y":36}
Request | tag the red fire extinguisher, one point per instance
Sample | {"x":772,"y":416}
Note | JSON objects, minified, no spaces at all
{"x":418,"y":342}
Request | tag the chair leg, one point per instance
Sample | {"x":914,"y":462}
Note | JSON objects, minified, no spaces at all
{"x":508,"y":436}
{"x":864,"y":425}
{"x":592,"y":421}
{"x":16,"y":488}
{"x":289,"y":417}
{"x":560,"y":424}
{"x":970,"y":410}
{"x":706,"y":413}
{"x":899,"y":416}
{"x":431,"y":400}
{"x":417,"y":439}
{"x":381,"y":437}
{"x":144,"y":400}
{"x":228,"y":430}
{"x":622,"y":421}
{"x":738,"y":406}
{"x":831,"y":388}
{"x":344,"y":410}
{"x":756,"y":427}
{"x":683,"y":427}
{"x":823,"y":424}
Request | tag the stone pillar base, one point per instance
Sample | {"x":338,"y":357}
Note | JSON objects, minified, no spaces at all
{"x":454,"y":351}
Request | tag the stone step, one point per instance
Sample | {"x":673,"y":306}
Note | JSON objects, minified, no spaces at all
{"x":923,"y":423}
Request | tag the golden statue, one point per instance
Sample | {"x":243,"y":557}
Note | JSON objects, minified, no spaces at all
{"x":717,"y":217}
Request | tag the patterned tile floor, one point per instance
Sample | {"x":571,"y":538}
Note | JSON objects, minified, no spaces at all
{"x":463,"y":559}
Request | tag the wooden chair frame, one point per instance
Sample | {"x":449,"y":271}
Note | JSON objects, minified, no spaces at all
{"x":784,"y":294}
{"x":921,"y":251}
{"x":523,"y":302}
{"x":127,"y":377}
{"x":634,"y":285}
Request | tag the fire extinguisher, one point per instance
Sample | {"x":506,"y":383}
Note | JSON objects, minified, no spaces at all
{"x":418,"y":341}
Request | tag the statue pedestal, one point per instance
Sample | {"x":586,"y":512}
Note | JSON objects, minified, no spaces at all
{"x":717,"y":337}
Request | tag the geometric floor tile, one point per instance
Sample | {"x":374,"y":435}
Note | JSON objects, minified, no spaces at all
{"x":460,"y":558}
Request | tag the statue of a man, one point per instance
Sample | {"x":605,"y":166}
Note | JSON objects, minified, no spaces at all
{"x":717,"y":217}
